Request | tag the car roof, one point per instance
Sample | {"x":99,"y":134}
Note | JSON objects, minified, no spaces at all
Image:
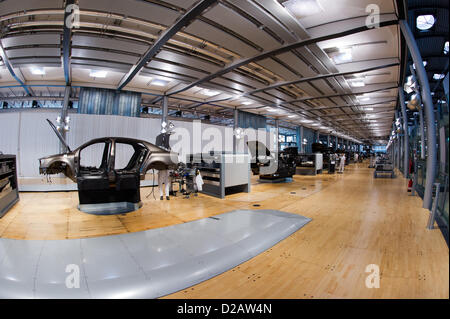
{"x":126,"y":140}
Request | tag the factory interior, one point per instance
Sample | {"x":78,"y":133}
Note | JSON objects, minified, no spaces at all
{"x":224,"y":149}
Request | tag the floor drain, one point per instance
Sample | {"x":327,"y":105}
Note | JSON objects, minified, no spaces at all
{"x":293,"y":193}
{"x":256,"y":205}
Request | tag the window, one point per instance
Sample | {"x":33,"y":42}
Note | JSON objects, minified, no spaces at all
{"x":123,"y":155}
{"x":94,"y":156}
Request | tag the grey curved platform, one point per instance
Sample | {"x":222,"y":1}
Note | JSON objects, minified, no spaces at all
{"x":145,"y":264}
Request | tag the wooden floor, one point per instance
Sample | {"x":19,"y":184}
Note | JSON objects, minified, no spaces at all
{"x":357,"y":221}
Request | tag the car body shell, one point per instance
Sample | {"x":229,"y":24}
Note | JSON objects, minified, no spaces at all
{"x":150,"y":157}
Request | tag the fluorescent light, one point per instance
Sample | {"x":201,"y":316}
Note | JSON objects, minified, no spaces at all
{"x":357,"y":84}
{"x":303,"y":8}
{"x":369,"y":109}
{"x":344,"y":55}
{"x":247,"y":102}
{"x":271,"y":110}
{"x":159,"y":82}
{"x":209,"y":92}
{"x":438,"y":76}
{"x":363,"y":99}
{"x":98,"y":74}
{"x":38,"y":71}
{"x":291,"y":116}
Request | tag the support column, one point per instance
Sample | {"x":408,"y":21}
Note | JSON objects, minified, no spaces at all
{"x":328,"y":140}
{"x":235,"y":126}
{"x":277,"y":134}
{"x":429,"y":113}
{"x":299,"y":139}
{"x":317,"y":136}
{"x":336,"y":142}
{"x":301,"y":147}
{"x":165,"y":112}
{"x":64,"y":120}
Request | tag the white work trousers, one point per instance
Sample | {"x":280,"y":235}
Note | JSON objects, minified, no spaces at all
{"x":341,"y":165}
{"x":164,"y":178}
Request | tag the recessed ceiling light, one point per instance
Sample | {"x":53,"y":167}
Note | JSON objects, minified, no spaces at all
{"x":303,"y":8}
{"x":425,"y":22}
{"x":357,"y":84}
{"x":37,"y":71}
{"x":342,"y":55}
{"x":159,"y":82}
{"x":98,"y":74}
{"x":209,"y":92}
{"x":438,"y":76}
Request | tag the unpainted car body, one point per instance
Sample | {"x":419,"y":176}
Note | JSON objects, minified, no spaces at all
{"x":146,"y":156}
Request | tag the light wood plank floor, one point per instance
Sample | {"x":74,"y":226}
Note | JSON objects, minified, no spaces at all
{"x":357,"y":221}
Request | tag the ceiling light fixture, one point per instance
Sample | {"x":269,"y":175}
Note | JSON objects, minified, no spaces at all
{"x":342,"y":55}
{"x":446,"y":47}
{"x":303,"y":8}
{"x":209,"y":92}
{"x":98,"y":74}
{"x":425,"y":22}
{"x":438,"y":76}
{"x":159,"y":82}
{"x":357,"y":84}
{"x":247,"y":102}
{"x":37,"y":71}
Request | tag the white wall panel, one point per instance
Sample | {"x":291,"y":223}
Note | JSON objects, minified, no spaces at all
{"x":28,"y":135}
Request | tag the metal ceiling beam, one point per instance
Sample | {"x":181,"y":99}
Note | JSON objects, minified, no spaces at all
{"x":282,"y":49}
{"x":353,"y":105}
{"x":335,"y":95}
{"x":319,"y":77}
{"x":67,"y":42}
{"x":17,"y":76}
{"x":165,"y":36}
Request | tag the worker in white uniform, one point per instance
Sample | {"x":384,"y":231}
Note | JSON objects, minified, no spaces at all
{"x":356,"y":157}
{"x":342,"y":163}
{"x":164,"y":178}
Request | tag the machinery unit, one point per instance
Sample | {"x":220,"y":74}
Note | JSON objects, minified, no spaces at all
{"x":310,"y":164}
{"x":384,"y":166}
{"x":9,"y":193}
{"x":222,"y":173}
{"x":269,"y":167}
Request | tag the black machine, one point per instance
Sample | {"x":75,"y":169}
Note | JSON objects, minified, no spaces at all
{"x":9,"y":194}
{"x":267,"y":167}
